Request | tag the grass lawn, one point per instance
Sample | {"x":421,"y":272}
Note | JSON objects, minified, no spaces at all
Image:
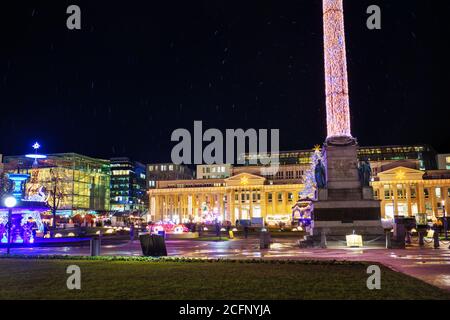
{"x":46,"y":279}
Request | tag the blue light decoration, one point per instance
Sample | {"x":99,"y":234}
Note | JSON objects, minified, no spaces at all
{"x":36,"y":146}
{"x":18,"y":180}
{"x":26,"y":215}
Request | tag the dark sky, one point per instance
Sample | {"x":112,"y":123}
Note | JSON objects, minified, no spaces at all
{"x":140,"y":69}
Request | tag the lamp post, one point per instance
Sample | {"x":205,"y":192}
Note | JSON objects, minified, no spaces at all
{"x":445,"y":220}
{"x":10,"y":203}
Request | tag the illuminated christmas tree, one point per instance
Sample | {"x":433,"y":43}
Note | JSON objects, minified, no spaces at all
{"x":309,"y":192}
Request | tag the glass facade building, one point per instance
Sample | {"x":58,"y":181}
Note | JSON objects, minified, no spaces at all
{"x":128,"y":190}
{"x":424,"y":155}
{"x":73,"y":183}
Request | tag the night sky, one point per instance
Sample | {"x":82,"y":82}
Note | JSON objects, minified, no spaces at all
{"x":137,"y":70}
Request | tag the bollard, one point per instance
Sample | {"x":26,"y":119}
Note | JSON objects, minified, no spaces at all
{"x":421,"y":239}
{"x":436,"y":238}
{"x":323,"y":240}
{"x":95,"y":246}
{"x":264,"y":240}
{"x":408,"y":237}
{"x":388,"y":239}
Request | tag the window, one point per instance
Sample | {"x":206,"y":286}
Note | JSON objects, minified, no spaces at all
{"x":438,"y":192}
{"x":150,"y":168}
{"x":401,"y":191}
{"x":387,"y":192}
{"x":269,"y":197}
{"x":375,"y":194}
{"x":413,"y":192}
{"x":426,"y":193}
{"x":280,"y":197}
{"x":170,"y":167}
{"x":290,"y":196}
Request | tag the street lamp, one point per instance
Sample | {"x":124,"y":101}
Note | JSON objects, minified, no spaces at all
{"x":445,"y":220}
{"x":10,"y":202}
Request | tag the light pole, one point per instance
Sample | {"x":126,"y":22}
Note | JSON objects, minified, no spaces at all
{"x":445,"y":220}
{"x":10,"y":203}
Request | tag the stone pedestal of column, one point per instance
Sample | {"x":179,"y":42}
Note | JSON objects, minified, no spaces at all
{"x":346,"y":206}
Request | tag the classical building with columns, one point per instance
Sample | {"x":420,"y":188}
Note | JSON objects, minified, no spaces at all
{"x":407,"y":191}
{"x":243,"y":196}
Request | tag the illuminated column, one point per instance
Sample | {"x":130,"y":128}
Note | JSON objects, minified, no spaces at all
{"x":421,"y":198}
{"x":408,"y":199}
{"x":285,"y":201}
{"x":230,"y":203}
{"x":336,"y":85}
{"x":263,"y":204}
{"x":433,"y":199}
{"x":250,"y":204}
{"x":395,"y":194}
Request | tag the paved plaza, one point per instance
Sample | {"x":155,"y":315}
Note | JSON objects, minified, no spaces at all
{"x":428,"y":264}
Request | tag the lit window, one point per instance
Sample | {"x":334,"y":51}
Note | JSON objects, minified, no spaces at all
{"x":290,"y":196}
{"x":400,"y":191}
{"x":438,"y":192}
{"x":387,"y":192}
{"x":413,"y":192}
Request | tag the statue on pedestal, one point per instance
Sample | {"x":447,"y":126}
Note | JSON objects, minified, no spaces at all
{"x":365,"y":172}
{"x":319,"y":173}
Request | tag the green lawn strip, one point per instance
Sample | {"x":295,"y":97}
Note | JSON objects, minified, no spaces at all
{"x":108,"y":278}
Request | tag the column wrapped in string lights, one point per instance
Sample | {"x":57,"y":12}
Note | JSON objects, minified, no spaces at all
{"x":337,"y":98}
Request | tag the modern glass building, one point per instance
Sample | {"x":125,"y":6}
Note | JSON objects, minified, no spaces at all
{"x":128,"y":190}
{"x":424,"y":155}
{"x":70,"y":182}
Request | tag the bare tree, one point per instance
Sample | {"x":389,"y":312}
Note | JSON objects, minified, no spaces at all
{"x":56,"y":192}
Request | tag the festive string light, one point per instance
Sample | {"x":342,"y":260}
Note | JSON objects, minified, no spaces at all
{"x":337,"y":99}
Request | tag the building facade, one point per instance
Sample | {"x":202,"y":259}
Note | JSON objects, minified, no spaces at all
{"x":443,"y":161}
{"x":252,"y":192}
{"x":73,"y":183}
{"x":406,"y":191}
{"x":423,"y":156}
{"x":128,"y":186}
{"x":213,"y":171}
{"x":167,"y":171}
{"x":244,"y":196}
